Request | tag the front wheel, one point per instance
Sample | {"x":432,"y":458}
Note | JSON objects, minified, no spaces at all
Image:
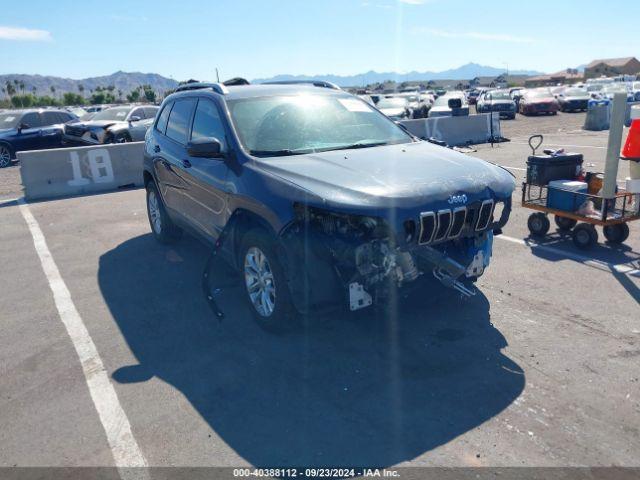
{"x":584,"y":236}
{"x":5,"y":156}
{"x":267,"y":291}
{"x":538,"y":224}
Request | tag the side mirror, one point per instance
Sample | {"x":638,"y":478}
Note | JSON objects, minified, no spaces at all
{"x":454,"y":103}
{"x":135,"y":118}
{"x":205,"y":147}
{"x":23,"y":126}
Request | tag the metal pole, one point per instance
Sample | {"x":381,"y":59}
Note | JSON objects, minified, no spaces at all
{"x":615,"y":145}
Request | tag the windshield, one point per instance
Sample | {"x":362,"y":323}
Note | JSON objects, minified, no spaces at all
{"x":392,"y":102}
{"x":574,"y":92}
{"x":9,"y":120}
{"x":500,"y":96}
{"x":615,"y":88}
{"x":119,"y":114}
{"x":594,"y":88}
{"x":287,"y":125}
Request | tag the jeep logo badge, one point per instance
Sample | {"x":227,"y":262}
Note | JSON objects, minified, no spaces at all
{"x":454,"y":199}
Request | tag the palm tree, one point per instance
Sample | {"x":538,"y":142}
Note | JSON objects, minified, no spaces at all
{"x":11,"y":90}
{"x":21,"y":84}
{"x":34,"y":89}
{"x":81,"y":89}
{"x":119,"y":94}
{"x":53,"y":90}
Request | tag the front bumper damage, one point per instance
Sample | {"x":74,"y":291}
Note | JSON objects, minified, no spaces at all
{"x":359,"y":260}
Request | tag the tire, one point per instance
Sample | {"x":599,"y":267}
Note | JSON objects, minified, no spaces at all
{"x":265,"y":285}
{"x":162,"y":228}
{"x":616,"y":234}
{"x":6,"y":155}
{"x":538,"y":224}
{"x":122,"y":137}
{"x":565,"y":224}
{"x":584,"y":236}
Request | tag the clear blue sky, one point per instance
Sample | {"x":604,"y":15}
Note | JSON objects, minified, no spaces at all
{"x":259,"y":38}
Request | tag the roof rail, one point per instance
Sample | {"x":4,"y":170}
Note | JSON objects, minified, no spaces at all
{"x":315,"y":83}
{"x":216,"y":87}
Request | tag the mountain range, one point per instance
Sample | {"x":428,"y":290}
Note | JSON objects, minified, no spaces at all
{"x":465,"y":72}
{"x":123,"y":81}
{"x":128,"y":81}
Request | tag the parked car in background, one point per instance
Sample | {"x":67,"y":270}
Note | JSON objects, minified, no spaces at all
{"x":472,"y":96}
{"x":30,"y":130}
{"x":608,"y":91}
{"x":538,"y":101}
{"x":112,"y":125}
{"x":451,"y":104}
{"x":635,"y":89}
{"x":516,"y":95}
{"x":395,"y":107}
{"x":497,"y":101}
{"x":573,"y":100}
{"x":419,"y":104}
{"x":317,"y":199}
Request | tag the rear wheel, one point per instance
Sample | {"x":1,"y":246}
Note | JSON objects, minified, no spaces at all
{"x":584,"y":236}
{"x":538,"y":224}
{"x":5,"y":156}
{"x":616,"y":234}
{"x":565,"y":224}
{"x":267,"y":291}
{"x":163,"y":229}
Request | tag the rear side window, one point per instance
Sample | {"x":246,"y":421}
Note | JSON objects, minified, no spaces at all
{"x":206,"y":122}
{"x":51,"y":118}
{"x":178,"y":126}
{"x":161,"y":126}
{"x":150,"y":112}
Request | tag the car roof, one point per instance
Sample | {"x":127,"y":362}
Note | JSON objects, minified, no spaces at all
{"x":266,"y":90}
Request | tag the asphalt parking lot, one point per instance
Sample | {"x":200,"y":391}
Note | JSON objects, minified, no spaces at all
{"x":541,"y":368}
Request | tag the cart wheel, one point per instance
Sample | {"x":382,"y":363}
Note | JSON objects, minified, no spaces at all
{"x":538,"y":224}
{"x":584,"y":236}
{"x":616,"y":233}
{"x":565,"y":224}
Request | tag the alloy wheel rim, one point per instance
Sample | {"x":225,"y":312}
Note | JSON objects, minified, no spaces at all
{"x":260,"y":282}
{"x":5,"y":156}
{"x":154,"y":212}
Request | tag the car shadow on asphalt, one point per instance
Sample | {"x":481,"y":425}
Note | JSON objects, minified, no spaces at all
{"x":372,"y":389}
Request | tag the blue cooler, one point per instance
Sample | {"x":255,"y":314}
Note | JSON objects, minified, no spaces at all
{"x":561,"y":195}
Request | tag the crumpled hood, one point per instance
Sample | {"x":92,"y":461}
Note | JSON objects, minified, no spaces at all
{"x":405,"y":175}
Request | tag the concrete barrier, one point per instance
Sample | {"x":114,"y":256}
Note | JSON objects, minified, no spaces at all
{"x":76,"y":171}
{"x":598,"y":116}
{"x":457,"y":131}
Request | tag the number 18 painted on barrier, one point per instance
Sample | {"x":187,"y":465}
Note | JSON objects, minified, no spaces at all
{"x":100,"y":168}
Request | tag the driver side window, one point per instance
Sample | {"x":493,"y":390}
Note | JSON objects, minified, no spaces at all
{"x":32,"y":120}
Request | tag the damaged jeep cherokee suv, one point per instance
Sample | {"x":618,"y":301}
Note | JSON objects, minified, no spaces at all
{"x":316,"y":197}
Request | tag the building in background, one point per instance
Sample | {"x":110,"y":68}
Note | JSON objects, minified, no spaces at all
{"x":611,"y":67}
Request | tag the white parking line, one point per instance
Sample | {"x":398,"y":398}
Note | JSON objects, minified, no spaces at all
{"x":604,"y":266}
{"x":124,"y":447}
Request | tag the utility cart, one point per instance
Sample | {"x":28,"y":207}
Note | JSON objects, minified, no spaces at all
{"x":555,"y":186}
{"x":587,"y":212}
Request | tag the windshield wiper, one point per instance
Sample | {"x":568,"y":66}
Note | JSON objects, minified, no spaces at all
{"x":353,"y":146}
{"x":276,"y":153}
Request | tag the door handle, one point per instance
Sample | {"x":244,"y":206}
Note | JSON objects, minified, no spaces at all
{"x":156,"y":149}
{"x":186,"y":163}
